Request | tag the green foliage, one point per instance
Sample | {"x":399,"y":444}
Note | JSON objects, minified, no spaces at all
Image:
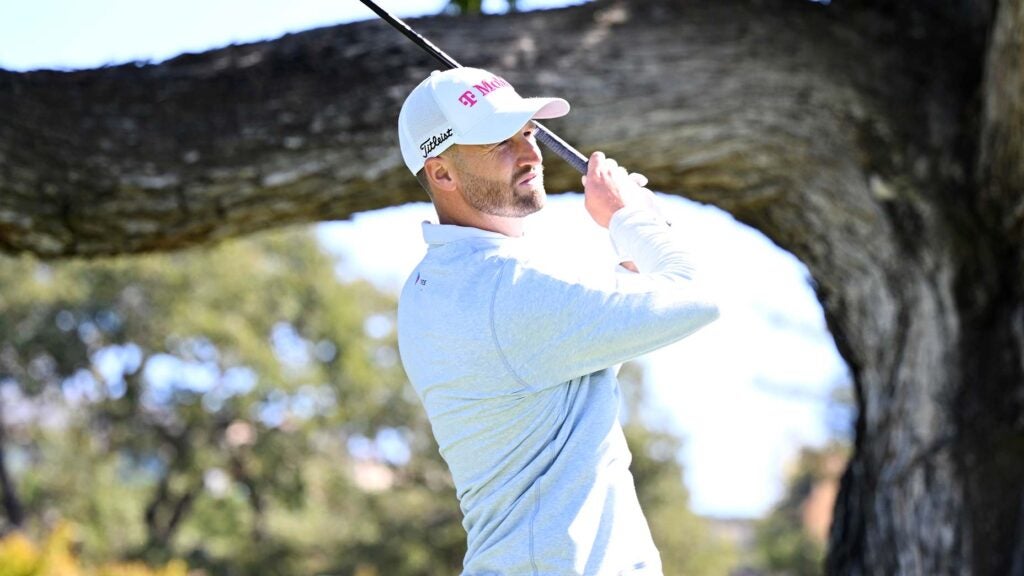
{"x":177,"y":404}
{"x":19,"y":556}
{"x":471,"y":7}
{"x":71,"y":476}
{"x":785,"y":547}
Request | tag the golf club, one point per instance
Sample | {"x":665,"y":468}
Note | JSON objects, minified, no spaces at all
{"x":545,"y":136}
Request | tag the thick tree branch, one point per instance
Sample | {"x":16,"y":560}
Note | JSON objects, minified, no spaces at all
{"x":741,"y":105}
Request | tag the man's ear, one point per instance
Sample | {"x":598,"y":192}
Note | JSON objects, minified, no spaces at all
{"x":440,"y":174}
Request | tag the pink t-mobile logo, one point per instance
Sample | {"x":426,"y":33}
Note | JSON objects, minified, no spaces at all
{"x":467,"y":98}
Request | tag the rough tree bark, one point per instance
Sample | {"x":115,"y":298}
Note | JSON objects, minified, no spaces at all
{"x":879,"y":141}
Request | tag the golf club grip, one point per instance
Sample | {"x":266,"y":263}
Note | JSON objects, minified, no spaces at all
{"x":561,"y":148}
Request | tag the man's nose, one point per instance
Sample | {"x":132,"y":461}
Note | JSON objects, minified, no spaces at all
{"x":528,"y":151}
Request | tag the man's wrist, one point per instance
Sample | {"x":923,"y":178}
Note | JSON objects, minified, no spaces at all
{"x":631,"y":216}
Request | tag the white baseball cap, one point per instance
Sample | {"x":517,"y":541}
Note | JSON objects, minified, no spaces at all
{"x":465,"y":106}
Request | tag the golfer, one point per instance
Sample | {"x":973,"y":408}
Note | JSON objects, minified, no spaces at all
{"x":515,"y":356}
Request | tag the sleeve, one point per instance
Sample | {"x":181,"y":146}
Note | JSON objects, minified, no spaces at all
{"x":549,"y":330}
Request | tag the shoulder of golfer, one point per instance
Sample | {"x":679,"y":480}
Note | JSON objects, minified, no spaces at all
{"x":550,"y":330}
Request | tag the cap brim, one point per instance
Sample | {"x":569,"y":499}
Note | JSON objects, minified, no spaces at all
{"x":504,"y":123}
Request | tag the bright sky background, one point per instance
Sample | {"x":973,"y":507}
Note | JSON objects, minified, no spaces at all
{"x":745,"y":393}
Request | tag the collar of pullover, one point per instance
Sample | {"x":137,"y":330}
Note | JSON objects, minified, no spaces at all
{"x":441,"y":234}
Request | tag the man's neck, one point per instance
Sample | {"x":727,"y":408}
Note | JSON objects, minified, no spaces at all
{"x":512,"y":227}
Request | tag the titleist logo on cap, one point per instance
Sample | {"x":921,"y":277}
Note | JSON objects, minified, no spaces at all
{"x":433,"y":142}
{"x":484,"y":88}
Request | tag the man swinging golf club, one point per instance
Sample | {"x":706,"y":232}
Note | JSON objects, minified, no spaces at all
{"x":514,"y":356}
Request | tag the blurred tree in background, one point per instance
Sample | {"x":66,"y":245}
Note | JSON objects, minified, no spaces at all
{"x":19,"y":556}
{"x":241,"y":409}
{"x":791,"y":539}
{"x":204,"y":404}
{"x":471,"y":7}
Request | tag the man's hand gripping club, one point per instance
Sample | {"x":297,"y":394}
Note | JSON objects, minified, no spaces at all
{"x":607,"y":188}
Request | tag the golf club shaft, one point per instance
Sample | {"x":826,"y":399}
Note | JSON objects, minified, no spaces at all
{"x":545,"y":136}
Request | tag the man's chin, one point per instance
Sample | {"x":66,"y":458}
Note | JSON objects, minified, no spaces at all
{"x":536,"y":199}
{"x":528,"y":204}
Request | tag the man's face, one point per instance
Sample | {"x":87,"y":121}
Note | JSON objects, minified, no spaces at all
{"x":504,"y":179}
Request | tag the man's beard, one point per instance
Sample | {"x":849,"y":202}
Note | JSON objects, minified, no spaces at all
{"x":504,"y":198}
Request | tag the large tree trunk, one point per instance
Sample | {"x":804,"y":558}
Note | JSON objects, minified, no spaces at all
{"x":880,"y":142}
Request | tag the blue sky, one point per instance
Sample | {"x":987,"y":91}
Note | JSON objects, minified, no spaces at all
{"x":78,"y":34}
{"x":718,"y":389}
